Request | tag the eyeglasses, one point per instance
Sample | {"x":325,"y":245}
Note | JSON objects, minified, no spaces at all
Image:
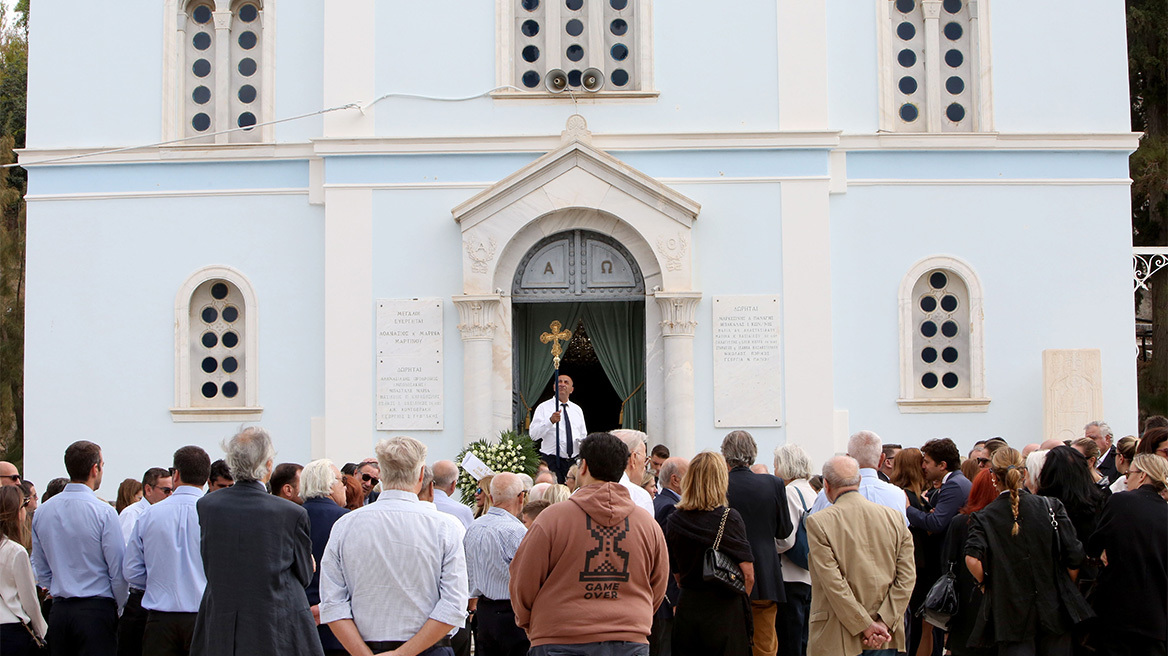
{"x":982,"y":462}
{"x":15,"y":478}
{"x":370,"y":478}
{"x":478,"y":490}
{"x":166,"y":490}
{"x":27,"y":500}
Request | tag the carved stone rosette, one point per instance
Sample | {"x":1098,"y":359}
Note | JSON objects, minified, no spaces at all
{"x":678,"y":312}
{"x":476,"y":315}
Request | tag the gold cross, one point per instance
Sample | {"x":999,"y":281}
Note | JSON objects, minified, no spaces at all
{"x":555,"y":336}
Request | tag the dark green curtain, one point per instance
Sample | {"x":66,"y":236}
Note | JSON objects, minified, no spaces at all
{"x":617,"y":331}
{"x":535,"y":359}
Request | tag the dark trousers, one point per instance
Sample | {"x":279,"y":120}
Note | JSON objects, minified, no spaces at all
{"x":612,"y":648}
{"x":496,"y":633}
{"x":83,"y":626}
{"x":460,"y":641}
{"x":1044,"y":644}
{"x":1125,"y":643}
{"x":15,"y":640}
{"x":791,"y":620}
{"x":132,"y":625}
{"x":559,"y":467}
{"x":168,"y":634}
{"x":442,"y":648}
{"x":661,"y":635}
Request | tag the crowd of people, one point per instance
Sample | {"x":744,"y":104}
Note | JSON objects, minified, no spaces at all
{"x":611,"y":548}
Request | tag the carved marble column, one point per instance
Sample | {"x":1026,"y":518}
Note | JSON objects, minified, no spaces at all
{"x":476,"y":322}
{"x":222,"y":79}
{"x":678,"y":321}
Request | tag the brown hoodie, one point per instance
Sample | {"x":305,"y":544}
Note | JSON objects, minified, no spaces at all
{"x":591,"y":569}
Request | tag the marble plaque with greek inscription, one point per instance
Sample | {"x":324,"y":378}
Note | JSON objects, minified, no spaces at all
{"x":747,"y":363}
{"x":1072,"y":393}
{"x":409,"y":364}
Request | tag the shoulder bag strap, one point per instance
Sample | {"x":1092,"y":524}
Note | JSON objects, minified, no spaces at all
{"x":802,"y":501}
{"x":718,"y":540}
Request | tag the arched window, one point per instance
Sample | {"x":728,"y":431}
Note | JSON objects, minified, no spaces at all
{"x":941,"y":342}
{"x":216,"y":325}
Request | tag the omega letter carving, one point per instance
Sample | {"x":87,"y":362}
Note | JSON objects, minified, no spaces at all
{"x":673,"y":250}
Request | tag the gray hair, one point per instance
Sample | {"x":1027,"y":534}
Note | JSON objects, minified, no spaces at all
{"x":670,"y":467}
{"x":506,"y":487}
{"x":865,"y":447}
{"x":1104,"y":429}
{"x":537,"y":491}
{"x":427,"y":476}
{"x":841,"y":472}
{"x":400,"y":460}
{"x":248,"y":453}
{"x":445,"y":473}
{"x":316,"y":479}
{"x":527,"y":482}
{"x":791,"y":462}
{"x":1034,"y":463}
{"x":631,"y":438}
{"x":739,"y":449}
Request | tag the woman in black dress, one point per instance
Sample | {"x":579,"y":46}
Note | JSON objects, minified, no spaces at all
{"x":981,"y":494}
{"x":709,"y":619}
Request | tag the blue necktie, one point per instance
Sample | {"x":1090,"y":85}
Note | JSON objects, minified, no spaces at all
{"x":568,"y":429}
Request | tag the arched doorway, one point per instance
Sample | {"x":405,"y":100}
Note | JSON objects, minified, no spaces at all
{"x":592,"y":285}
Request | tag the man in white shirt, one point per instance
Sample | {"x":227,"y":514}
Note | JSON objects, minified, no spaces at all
{"x":867,"y":449}
{"x":157,"y":484}
{"x":445,"y":478}
{"x":635,"y":469}
{"x":394,"y":573}
{"x":560,"y":424}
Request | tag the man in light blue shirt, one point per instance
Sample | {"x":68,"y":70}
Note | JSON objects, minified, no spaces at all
{"x":866,"y":447}
{"x":77,"y":547}
{"x":445,"y":477}
{"x":491,"y":543}
{"x":163,"y":558}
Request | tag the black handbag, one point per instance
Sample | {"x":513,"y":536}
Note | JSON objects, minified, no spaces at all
{"x":941,"y":602}
{"x":718,"y":567}
{"x":1072,"y":600}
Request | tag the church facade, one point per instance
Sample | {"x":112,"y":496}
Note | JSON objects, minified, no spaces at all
{"x":344,"y":221}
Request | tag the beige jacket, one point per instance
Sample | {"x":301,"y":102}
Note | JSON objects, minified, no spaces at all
{"x":861,"y":570}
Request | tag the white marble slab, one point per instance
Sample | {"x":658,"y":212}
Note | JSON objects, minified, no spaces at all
{"x":1072,"y":394}
{"x":409,"y":364}
{"x":747,"y":361}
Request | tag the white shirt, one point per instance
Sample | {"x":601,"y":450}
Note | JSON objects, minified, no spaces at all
{"x":391,"y":565}
{"x":874,"y":490}
{"x":130,"y":514}
{"x":18,"y":597}
{"x":542,"y":428}
{"x":451,"y":507}
{"x":638,"y":493}
{"x":792,"y":573}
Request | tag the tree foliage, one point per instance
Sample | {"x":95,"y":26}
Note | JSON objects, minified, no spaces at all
{"x":13,"y":182}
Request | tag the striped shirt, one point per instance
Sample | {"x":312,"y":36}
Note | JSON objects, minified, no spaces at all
{"x":491,"y":543}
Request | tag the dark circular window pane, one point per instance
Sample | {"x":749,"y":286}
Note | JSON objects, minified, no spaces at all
{"x":247,"y":94}
{"x":247,"y":40}
{"x":955,"y":112}
{"x":530,"y":5}
{"x":201,"y":95}
{"x":908,"y":85}
{"x":230,"y":389}
{"x":202,"y":14}
{"x":247,"y":67}
{"x":574,"y":78}
{"x":574,"y":27}
{"x":954,"y":58}
{"x":948,"y":303}
{"x":248,"y":13}
{"x":952,"y":6}
{"x":948,"y":329}
{"x":949,"y":355}
{"x":575,"y":53}
{"x":928,"y":329}
{"x":619,"y":27}
{"x":230,"y":314}
{"x":246,"y":120}
{"x":929,"y":354}
{"x":938,"y":280}
{"x":201,"y":122}
{"x":905,"y":6}
{"x":210,"y":315}
{"x":906,"y":57}
{"x":953,"y":31}
{"x":202,"y":41}
{"x":201,"y":68}
{"x":210,"y":390}
{"x":620,"y":52}
{"x":955,"y":85}
{"x":219,"y":291}
{"x":620,"y":77}
{"x":530,"y":54}
{"x":618,"y":4}
{"x":210,"y":340}
{"x":531,"y":79}
{"x":908,"y":112}
{"x":949,"y":380}
{"x":929,"y":380}
{"x":230,"y":339}
{"x":230,"y":365}
{"x":928,"y":303}
{"x":210,"y":365}
{"x":906,"y":31}
{"x":574,"y":5}
{"x":529,"y":28}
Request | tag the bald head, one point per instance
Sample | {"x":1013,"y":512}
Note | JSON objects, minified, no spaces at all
{"x":671,"y":473}
{"x":445,"y":475}
{"x":7,"y":471}
{"x":1028,"y":449}
{"x":1052,"y":443}
{"x":507,"y":492}
{"x":840,"y":474}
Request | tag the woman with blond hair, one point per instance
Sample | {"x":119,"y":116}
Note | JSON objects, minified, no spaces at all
{"x":1130,"y":541}
{"x":482,"y":496}
{"x":710,"y":619}
{"x":1022,"y":550}
{"x":20,"y":611}
{"x":557,"y":493}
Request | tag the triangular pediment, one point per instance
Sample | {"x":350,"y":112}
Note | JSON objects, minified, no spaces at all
{"x":574,"y":157}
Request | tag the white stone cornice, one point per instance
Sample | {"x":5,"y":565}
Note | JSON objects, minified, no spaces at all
{"x":678,"y":312}
{"x":476,"y":316}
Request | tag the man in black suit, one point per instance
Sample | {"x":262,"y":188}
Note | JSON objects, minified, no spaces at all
{"x":761,"y":499}
{"x":257,"y":555}
{"x":669,"y":477}
{"x":1102,"y":434}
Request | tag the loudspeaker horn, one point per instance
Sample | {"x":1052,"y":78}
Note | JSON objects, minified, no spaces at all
{"x":556,"y":80}
{"x":592,"y":79}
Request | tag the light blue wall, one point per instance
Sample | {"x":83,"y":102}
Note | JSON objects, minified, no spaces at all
{"x":102,"y":280}
{"x":300,"y":67}
{"x":853,"y":76}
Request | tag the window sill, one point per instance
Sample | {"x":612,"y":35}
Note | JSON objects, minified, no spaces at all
{"x":937,"y":406}
{"x":582,"y":96}
{"x":231,"y":414}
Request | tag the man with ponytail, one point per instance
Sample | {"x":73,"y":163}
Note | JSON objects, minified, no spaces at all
{"x":1022,"y":549}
